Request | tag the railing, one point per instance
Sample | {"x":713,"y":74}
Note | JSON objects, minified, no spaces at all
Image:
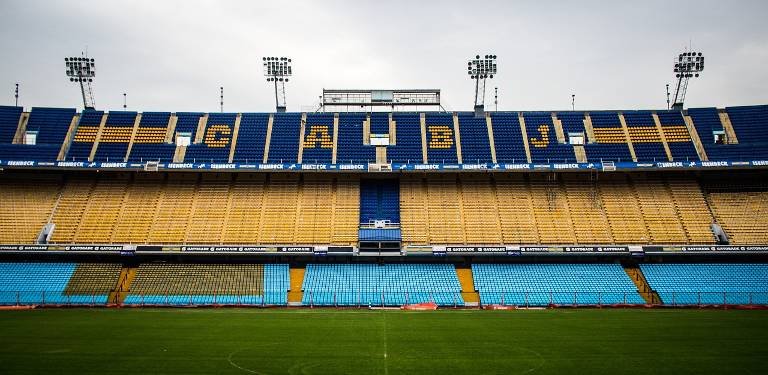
{"x":579,"y":298}
{"x":380,"y":298}
{"x":387,"y":298}
{"x":52,"y":298}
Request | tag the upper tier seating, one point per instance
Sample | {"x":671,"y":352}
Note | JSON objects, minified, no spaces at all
{"x":554,"y":284}
{"x":51,"y":125}
{"x":115,"y":136}
{"x":381,"y":285}
{"x":677,"y":135}
{"x":708,"y":284}
{"x":251,"y":137}
{"x":216,"y":141}
{"x":542,"y":139}
{"x":350,"y":147}
{"x":85,"y":135}
{"x":475,"y":146}
{"x":9,"y":122}
{"x":379,"y":123}
{"x":408,"y":139}
{"x":209,"y":284}
{"x":318,"y":137}
{"x":645,"y":136}
{"x":284,"y":142}
{"x":441,"y":140}
{"x":149,"y":143}
{"x":56,"y":283}
{"x":508,"y":138}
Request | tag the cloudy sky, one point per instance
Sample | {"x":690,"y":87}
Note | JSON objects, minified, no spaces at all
{"x":174,"y":55}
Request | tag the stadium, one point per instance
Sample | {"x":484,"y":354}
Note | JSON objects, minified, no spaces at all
{"x":381,"y":233}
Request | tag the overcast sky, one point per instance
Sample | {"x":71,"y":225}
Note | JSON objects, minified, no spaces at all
{"x":174,"y":55}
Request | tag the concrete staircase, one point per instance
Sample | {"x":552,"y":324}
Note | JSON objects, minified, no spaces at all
{"x":468,"y":292}
{"x":295,"y":295}
{"x":118,"y":294}
{"x":637,"y":277}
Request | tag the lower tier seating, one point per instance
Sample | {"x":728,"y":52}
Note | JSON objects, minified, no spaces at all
{"x":209,"y":284}
{"x":381,"y":285}
{"x":57,"y":283}
{"x":708,"y":284}
{"x":554,"y":284}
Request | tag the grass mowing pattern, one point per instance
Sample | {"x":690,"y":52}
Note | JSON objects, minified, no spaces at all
{"x":243,"y":341}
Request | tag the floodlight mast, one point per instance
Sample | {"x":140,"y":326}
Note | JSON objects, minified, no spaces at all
{"x":687,"y":65}
{"x":277,"y":70}
{"x":82,"y":70}
{"x":480,"y":69}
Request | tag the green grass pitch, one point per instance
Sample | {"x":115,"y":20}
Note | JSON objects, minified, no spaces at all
{"x":251,"y":341}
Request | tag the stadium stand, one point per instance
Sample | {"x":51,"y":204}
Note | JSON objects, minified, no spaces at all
{"x":318,"y":137}
{"x":350,"y":147}
{"x":25,"y":206}
{"x":542,"y":139}
{"x":209,"y":284}
{"x":554,"y":284}
{"x":50,"y":125}
{"x":149,"y":142}
{"x":645,"y":136}
{"x":85,"y":135}
{"x":284,"y":141}
{"x":115,"y":136}
{"x":475,"y":146}
{"x":709,"y":284}
{"x":508,"y":138}
{"x":677,"y":136}
{"x":407,"y":147}
{"x":379,"y":200}
{"x":379,"y":122}
{"x":9,"y":122}
{"x":189,"y":208}
{"x":381,"y":285}
{"x":56,"y":283}
{"x":252,"y":137}
{"x":216,"y":141}
{"x":440,"y":138}
{"x":610,"y":139}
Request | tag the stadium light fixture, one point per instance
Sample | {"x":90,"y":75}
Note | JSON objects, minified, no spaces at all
{"x":480,"y":69}
{"x":17,"y":95}
{"x":277,"y":70}
{"x":687,"y":65}
{"x":82,"y":70}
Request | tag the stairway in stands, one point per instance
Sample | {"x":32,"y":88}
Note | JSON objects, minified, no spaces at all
{"x":468,"y":292}
{"x":123,"y":286}
{"x":297,"y":280}
{"x":643,"y":288}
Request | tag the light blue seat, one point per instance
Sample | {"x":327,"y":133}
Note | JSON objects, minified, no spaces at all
{"x":41,"y":283}
{"x":709,"y":284}
{"x":554,"y":284}
{"x":381,"y":285}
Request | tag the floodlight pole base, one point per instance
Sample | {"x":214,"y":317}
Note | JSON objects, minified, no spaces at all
{"x":677,"y":106}
{"x":479,"y":111}
{"x":90,"y":108}
{"x":280,"y":109}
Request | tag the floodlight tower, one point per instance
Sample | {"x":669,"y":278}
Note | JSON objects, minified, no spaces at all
{"x":687,"y":65}
{"x":82,"y":70}
{"x":481,"y":69}
{"x":277,"y":70}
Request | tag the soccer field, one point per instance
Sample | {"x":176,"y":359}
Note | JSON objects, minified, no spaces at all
{"x":243,"y":341}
